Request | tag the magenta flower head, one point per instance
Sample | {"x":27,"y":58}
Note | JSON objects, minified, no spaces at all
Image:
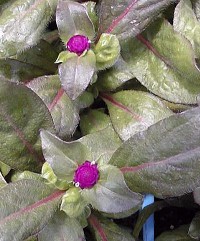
{"x":78,"y":44}
{"x":86,"y":175}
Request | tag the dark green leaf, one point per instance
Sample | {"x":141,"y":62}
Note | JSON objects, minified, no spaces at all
{"x":84,"y":100}
{"x":63,"y":157}
{"x":91,"y":11}
{"x":19,"y":71}
{"x":194,"y":229}
{"x":62,"y":228}
{"x":25,"y":208}
{"x":18,"y":31}
{"x":163,"y":160}
{"x":129,"y":17}
{"x":93,"y":121}
{"x":179,"y":234}
{"x":115,"y":76}
{"x":134,"y":111}
{"x":168,"y":70}
{"x":22,"y":115}
{"x":43,"y":55}
{"x":72,"y":19}
{"x":64,"y":112}
{"x":3,"y":2}
{"x":185,"y":201}
{"x":76,"y":73}
{"x":52,"y":37}
{"x":36,"y":61}
{"x":145,"y":214}
{"x":105,"y":229}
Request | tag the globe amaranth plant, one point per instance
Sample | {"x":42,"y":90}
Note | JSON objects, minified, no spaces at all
{"x":98,"y":107}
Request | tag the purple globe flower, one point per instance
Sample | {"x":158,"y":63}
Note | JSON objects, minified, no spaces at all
{"x":78,"y":44}
{"x":86,"y":175}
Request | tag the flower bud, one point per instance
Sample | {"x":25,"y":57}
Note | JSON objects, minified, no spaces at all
{"x":78,"y":44}
{"x":86,"y":175}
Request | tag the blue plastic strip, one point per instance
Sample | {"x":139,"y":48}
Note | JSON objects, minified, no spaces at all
{"x":148,"y":228}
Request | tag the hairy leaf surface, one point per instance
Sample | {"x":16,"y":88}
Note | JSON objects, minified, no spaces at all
{"x":62,"y":228}
{"x":25,"y":208}
{"x":22,"y":23}
{"x":102,"y":143}
{"x":164,"y":62}
{"x":164,"y":159}
{"x":93,"y":121}
{"x":33,"y":62}
{"x":72,"y":19}
{"x":129,"y":17}
{"x":63,"y":110}
{"x":76,"y":73}
{"x":22,"y":115}
{"x":186,"y":23}
{"x":114,"y":77}
{"x":111,"y":194}
{"x":63,"y":157}
{"x":134,"y":111}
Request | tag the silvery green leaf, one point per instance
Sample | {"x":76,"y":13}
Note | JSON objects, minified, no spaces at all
{"x":22,"y":23}
{"x":164,"y":159}
{"x":62,"y":156}
{"x":72,"y":19}
{"x":111,"y":194}
{"x":25,"y":208}
{"x":62,"y":228}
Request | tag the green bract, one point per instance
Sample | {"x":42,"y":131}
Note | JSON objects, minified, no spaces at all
{"x":107,"y":51}
{"x":73,"y":203}
{"x":48,"y":174}
{"x":64,"y":56}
